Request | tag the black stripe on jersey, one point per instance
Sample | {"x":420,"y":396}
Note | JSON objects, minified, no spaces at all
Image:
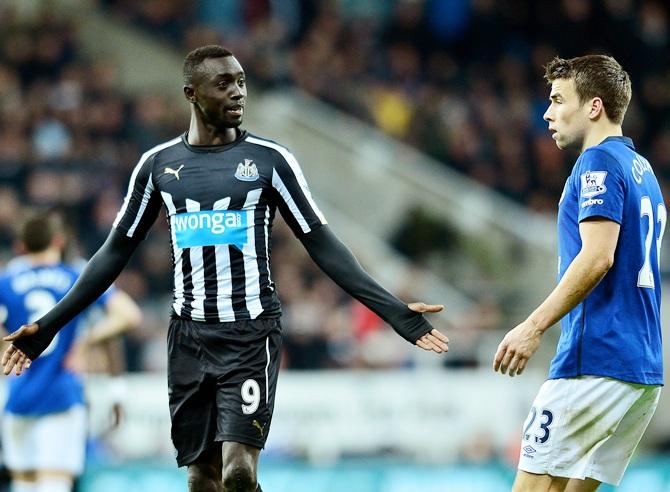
{"x":187,"y":271}
{"x":211,"y":284}
{"x":238,"y":283}
{"x":288,"y":216}
{"x":266,"y":296}
{"x":238,"y":276}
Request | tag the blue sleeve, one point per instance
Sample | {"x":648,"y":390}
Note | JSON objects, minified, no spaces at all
{"x":601,"y":185}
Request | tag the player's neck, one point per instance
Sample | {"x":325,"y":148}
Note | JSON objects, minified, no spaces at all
{"x":47,"y":257}
{"x":200,"y":133}
{"x":600,"y":132}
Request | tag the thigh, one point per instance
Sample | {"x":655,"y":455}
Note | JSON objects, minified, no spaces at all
{"x":532,"y":482}
{"x":246,"y":390}
{"x":205,"y":472}
{"x":53,"y":443}
{"x":588,"y":485}
{"x":61,"y":442}
{"x":18,"y":443}
{"x":570,"y":421}
{"x":192,"y":395}
{"x":240,"y":454}
{"x":612,"y":458}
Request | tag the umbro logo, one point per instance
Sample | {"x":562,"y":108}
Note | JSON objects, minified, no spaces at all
{"x":529,"y":449}
{"x":169,"y":170}
{"x":247,"y":171}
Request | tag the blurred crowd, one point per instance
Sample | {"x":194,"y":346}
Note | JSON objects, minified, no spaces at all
{"x":459,"y":79}
{"x":69,"y":139}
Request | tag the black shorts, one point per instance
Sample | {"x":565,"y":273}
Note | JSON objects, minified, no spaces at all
{"x":222,"y":379}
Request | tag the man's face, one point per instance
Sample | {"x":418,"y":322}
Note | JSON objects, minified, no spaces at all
{"x":220,"y":91}
{"x":566,"y":115}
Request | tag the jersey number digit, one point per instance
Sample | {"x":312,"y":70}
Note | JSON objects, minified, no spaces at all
{"x":645,"y":277}
{"x":251,"y":394}
{"x":38,"y":303}
{"x":544,"y":426}
{"x":533,"y":414}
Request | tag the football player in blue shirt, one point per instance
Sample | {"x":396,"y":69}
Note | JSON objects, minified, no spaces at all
{"x":44,"y":422}
{"x":605,"y":380}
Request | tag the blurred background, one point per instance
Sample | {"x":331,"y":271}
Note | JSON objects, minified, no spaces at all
{"x":418,"y":124}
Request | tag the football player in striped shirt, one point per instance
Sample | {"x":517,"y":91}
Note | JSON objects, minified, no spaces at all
{"x":221,"y":187}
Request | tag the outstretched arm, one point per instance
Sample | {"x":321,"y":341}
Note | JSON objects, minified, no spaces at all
{"x":337,"y":261}
{"x":599,"y":242}
{"x":29,"y":341}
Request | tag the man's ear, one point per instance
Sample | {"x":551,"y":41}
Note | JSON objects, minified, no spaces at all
{"x":189,"y":93}
{"x":597,"y":109}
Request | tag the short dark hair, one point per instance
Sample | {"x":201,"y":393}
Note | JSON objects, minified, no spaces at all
{"x":38,"y":231}
{"x":198,"y":55}
{"x":595,"y":76}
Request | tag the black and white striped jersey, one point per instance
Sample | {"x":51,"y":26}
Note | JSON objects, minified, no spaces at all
{"x":220,"y":203}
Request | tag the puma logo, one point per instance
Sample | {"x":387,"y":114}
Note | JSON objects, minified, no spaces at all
{"x":169,"y":170}
{"x":258,"y":426}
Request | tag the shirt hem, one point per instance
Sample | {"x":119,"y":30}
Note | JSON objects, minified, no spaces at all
{"x":655,"y":380}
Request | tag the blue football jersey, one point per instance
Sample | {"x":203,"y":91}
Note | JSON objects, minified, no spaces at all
{"x":616,"y":331}
{"x":26,"y":294}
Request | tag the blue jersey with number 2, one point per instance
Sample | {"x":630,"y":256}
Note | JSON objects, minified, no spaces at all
{"x":26,"y":294}
{"x":616,"y":331}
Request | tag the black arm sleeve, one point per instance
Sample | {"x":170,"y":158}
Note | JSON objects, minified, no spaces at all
{"x":98,"y":275}
{"x":335,"y":259}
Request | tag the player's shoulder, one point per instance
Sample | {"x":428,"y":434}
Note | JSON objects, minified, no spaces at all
{"x":270,"y":147}
{"x":612,"y":150}
{"x":23,"y":269}
{"x":62,"y":269}
{"x":603,"y":156}
{"x":168,"y":147}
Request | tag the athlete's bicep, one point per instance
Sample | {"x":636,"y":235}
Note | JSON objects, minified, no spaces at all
{"x":141,"y":204}
{"x":295,"y":201}
{"x":599,"y":238}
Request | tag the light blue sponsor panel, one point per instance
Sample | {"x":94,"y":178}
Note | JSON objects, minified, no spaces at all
{"x":210,"y":228}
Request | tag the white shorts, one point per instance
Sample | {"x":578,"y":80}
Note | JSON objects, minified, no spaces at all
{"x":55,"y":442}
{"x":586,"y":427}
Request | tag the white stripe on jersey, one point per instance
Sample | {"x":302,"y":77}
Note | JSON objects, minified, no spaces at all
{"x":197,"y":271}
{"x":251,"y":274}
{"x":295,"y":167}
{"x":267,"y":364}
{"x":224,"y":283}
{"x":267,"y":249}
{"x":148,"y":190}
{"x":177,"y":251}
{"x":283,"y":191}
{"x":133,"y":177}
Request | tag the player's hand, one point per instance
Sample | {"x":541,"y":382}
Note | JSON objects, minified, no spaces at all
{"x":13,"y":358}
{"x":517,"y":348}
{"x":433,"y":340}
